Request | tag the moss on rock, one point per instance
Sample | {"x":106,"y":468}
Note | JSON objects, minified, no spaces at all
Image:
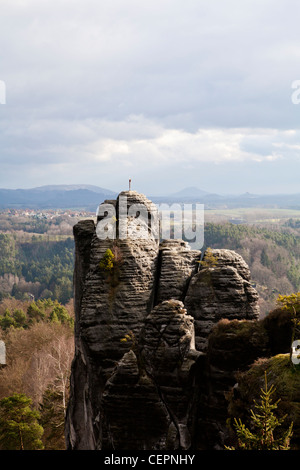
{"x":235,"y":344}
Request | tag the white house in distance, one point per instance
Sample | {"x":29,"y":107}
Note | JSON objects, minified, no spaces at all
{"x":2,"y":354}
{"x":296,"y":352}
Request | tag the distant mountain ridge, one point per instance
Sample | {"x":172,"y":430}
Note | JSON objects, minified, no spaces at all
{"x":74,"y":187}
{"x":231,"y":201}
{"x":88,"y":197}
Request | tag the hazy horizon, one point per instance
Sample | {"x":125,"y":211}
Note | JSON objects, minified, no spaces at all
{"x":158,"y":193}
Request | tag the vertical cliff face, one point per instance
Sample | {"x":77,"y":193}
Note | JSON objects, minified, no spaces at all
{"x":139,"y":375}
{"x":147,"y":401}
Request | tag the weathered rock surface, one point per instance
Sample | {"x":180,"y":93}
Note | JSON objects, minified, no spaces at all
{"x":153,"y":363}
{"x":221,"y":291}
{"x":108,"y":305}
{"x":168,"y":354}
{"x":147,"y":401}
{"x":132,"y":409}
{"x":177,"y":264}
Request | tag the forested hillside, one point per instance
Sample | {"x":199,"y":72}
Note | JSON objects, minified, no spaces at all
{"x":37,"y":253}
{"x":38,"y":267}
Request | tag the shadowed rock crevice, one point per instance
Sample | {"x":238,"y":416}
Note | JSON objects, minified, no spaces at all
{"x":178,"y":263}
{"x":159,"y":367}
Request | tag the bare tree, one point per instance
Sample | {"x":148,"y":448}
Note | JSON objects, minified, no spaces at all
{"x":61,"y":356}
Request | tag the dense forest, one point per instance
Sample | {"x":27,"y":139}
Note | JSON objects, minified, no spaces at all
{"x":41,"y":268}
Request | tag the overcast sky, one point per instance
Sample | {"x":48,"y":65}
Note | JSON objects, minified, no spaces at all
{"x":171,"y":93}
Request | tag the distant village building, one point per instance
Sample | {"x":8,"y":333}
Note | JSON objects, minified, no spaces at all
{"x":2,"y":354}
{"x":237,"y":221}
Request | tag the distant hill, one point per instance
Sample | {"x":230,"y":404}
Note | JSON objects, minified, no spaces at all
{"x":55,"y":197}
{"x":74,"y":187}
{"x":188,"y":195}
{"x":190,"y":192}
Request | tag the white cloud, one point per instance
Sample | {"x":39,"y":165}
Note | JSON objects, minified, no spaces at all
{"x":143,"y":142}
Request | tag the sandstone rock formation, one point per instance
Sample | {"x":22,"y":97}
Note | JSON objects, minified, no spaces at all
{"x":147,"y":371}
{"x":222,"y":291}
{"x":146,"y":402}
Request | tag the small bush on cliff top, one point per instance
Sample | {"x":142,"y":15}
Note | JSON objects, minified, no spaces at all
{"x":107,"y":262}
{"x":209,"y":260}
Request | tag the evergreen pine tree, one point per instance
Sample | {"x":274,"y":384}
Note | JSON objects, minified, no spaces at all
{"x":264,"y":423}
{"x":19,"y":426}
